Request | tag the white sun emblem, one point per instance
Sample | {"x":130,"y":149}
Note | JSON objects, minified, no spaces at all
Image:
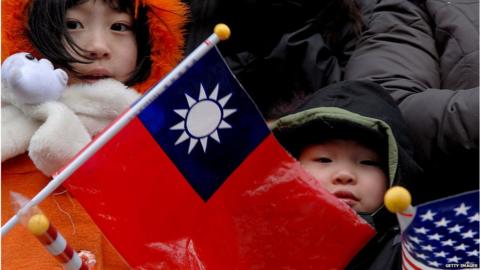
{"x":203,"y":118}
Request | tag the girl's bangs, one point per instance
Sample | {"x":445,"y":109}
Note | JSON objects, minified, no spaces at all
{"x":126,"y":6}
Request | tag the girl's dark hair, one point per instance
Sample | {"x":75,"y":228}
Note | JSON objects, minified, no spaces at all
{"x":48,"y":33}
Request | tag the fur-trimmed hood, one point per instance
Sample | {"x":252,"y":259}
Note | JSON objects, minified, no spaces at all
{"x":166,"y":21}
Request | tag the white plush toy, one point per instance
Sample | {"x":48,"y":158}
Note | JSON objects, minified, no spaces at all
{"x":47,"y":118}
{"x":34,"y":81}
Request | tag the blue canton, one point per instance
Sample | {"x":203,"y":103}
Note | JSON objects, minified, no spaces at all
{"x":206,"y":124}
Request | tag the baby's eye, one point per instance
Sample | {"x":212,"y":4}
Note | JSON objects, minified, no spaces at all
{"x":369,"y":162}
{"x":323,"y":160}
{"x":120,"y":27}
{"x":73,"y":25}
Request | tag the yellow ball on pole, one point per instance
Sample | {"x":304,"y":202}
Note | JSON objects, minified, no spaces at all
{"x":38,"y":224}
{"x":222,"y":31}
{"x":397,"y":199}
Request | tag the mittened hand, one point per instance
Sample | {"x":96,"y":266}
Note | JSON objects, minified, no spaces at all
{"x":33,"y":81}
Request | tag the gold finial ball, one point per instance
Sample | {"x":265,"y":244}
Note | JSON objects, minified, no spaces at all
{"x":397,"y":199}
{"x":222,"y":31}
{"x":38,"y":224}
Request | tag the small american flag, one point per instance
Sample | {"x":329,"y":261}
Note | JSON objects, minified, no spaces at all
{"x":442,"y":234}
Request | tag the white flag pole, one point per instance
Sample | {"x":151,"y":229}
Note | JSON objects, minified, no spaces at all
{"x":221,"y":32}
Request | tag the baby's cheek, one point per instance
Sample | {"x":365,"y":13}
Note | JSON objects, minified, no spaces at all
{"x":326,"y":185}
{"x":375,"y":200}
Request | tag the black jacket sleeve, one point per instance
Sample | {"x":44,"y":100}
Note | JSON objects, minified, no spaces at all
{"x":398,"y":50}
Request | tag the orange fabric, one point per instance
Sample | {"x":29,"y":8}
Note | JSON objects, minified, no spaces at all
{"x":166,"y":20}
{"x":14,"y":38}
{"x":21,"y":250}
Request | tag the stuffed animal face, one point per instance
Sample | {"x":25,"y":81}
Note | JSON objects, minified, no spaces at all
{"x":32,"y":81}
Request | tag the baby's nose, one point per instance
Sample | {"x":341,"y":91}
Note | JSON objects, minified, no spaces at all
{"x":344,"y":177}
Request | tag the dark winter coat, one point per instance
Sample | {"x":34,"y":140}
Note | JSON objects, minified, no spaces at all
{"x":279,"y":50}
{"x":364,"y":111}
{"x":426,"y":56}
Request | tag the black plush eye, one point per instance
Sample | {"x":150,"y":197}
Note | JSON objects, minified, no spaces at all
{"x":29,"y":56}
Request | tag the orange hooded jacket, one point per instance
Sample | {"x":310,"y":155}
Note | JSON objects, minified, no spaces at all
{"x":20,"y":249}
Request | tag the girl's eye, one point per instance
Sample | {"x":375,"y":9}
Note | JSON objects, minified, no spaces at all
{"x":323,"y":160}
{"x":370,"y":163}
{"x":73,"y":25}
{"x":120,"y":27}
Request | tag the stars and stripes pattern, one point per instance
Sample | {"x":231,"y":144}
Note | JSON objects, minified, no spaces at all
{"x":443,"y":234}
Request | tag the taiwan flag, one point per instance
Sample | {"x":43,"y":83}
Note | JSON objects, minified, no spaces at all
{"x":197,"y":181}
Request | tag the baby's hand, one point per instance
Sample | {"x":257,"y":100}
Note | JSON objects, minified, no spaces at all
{"x":33,"y":81}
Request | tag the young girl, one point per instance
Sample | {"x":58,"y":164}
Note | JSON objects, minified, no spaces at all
{"x":112,"y":50}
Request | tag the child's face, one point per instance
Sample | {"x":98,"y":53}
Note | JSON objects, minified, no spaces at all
{"x":349,"y":170}
{"x":107,"y":35}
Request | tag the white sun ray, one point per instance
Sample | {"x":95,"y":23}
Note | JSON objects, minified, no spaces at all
{"x":214,"y":136}
{"x":182,"y":138}
{"x":214,"y":94}
{"x":203,"y":141}
{"x":224,"y":100}
{"x":182,"y":112}
{"x":227,"y":112}
{"x":203,"y":118}
{"x":190,"y":100}
{"x":202,"y":94}
{"x":179,"y":126}
{"x":193,"y":142}
{"x":224,"y":124}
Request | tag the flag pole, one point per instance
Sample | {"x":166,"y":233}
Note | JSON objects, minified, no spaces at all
{"x":40,"y":226}
{"x":221,"y":32}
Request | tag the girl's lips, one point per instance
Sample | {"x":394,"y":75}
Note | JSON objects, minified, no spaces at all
{"x":95,"y":74}
{"x":92,"y":78}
